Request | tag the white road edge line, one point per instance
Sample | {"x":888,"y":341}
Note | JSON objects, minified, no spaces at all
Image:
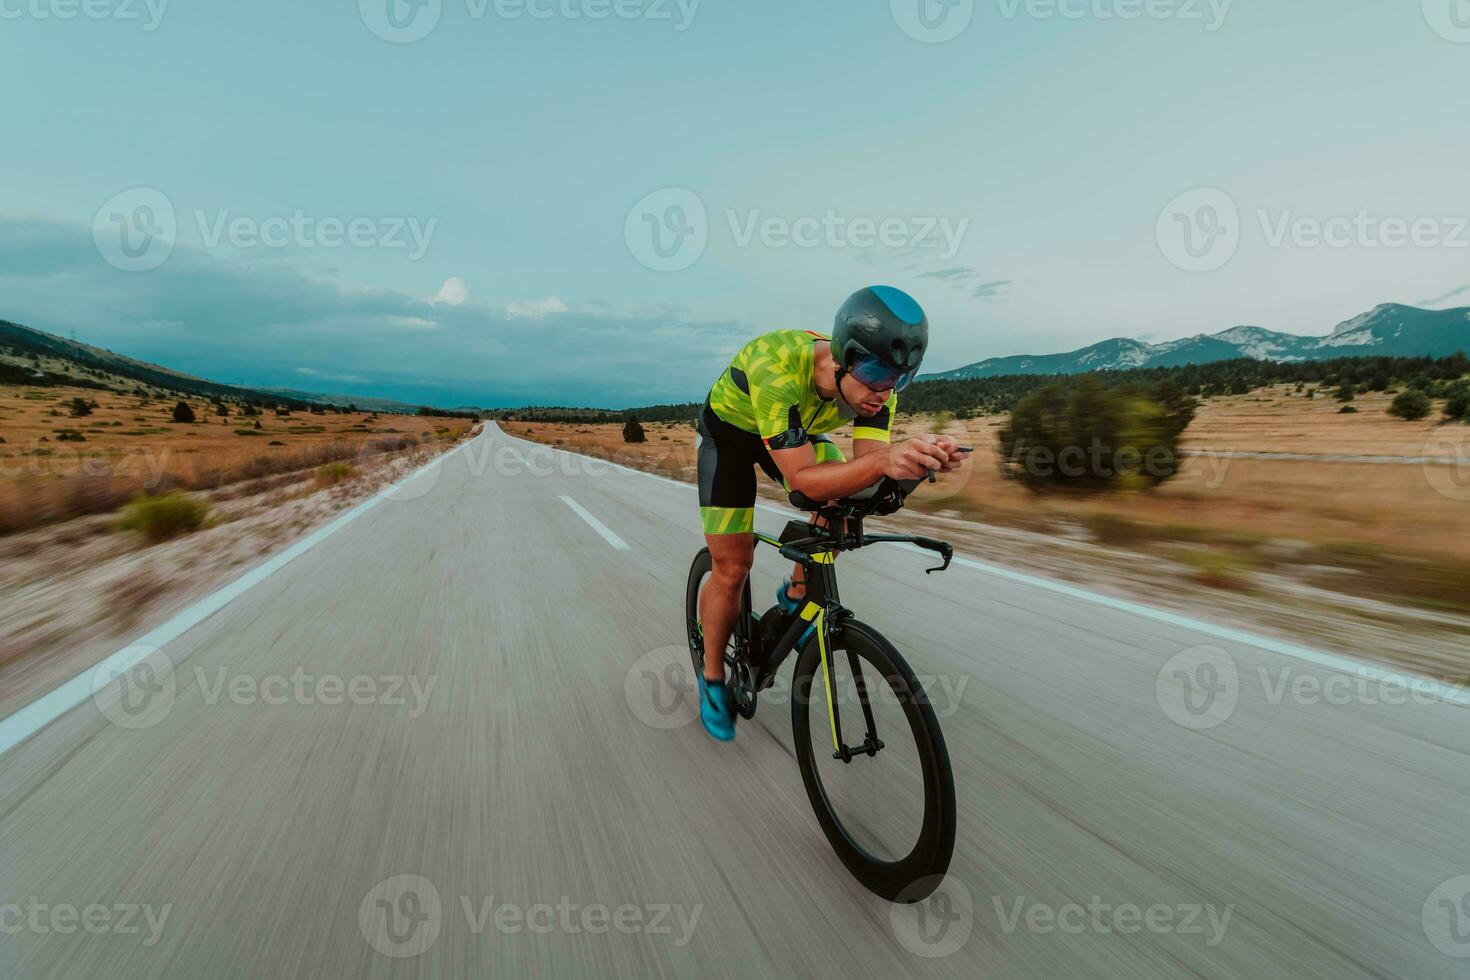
{"x":597,"y":525}
{"x":1428,"y":686}
{"x":21,"y":725}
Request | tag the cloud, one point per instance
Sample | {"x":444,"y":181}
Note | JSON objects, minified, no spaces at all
{"x":1447,"y":296}
{"x":989,"y":290}
{"x":255,"y":321}
{"x":454,"y":292}
{"x":950,"y":275}
{"x":536,"y":307}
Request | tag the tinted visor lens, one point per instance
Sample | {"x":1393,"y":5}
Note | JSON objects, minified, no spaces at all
{"x":874,"y":374}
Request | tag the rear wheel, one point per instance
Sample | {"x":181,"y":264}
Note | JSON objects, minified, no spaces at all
{"x":738,"y":676}
{"x":889,"y":811}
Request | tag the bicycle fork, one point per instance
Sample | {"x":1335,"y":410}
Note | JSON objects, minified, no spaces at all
{"x":822,"y":621}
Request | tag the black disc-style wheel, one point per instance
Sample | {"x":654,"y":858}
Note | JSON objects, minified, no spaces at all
{"x":889,"y":809}
{"x":738,"y":678}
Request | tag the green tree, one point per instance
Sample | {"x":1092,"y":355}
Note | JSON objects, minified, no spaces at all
{"x":1410,"y":405}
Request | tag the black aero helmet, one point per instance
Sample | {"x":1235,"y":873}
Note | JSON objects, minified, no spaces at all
{"x":880,"y":337}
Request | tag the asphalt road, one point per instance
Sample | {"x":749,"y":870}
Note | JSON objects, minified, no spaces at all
{"x":472,"y":684}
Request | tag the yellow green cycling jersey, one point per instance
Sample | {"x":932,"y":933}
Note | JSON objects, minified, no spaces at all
{"x":770,"y":389}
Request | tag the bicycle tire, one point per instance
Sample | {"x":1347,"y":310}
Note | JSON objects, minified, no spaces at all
{"x":913,"y":877}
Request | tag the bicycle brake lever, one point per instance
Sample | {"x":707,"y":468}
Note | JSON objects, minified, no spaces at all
{"x":948,"y":553}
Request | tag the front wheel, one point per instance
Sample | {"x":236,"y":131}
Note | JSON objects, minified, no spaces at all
{"x":889,"y":810}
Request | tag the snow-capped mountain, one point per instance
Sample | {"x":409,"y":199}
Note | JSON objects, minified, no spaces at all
{"x":1390,"y":330}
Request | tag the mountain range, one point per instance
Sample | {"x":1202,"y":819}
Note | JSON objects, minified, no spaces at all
{"x":1390,"y":330}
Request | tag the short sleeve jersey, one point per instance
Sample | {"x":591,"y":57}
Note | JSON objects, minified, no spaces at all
{"x":769,"y":388}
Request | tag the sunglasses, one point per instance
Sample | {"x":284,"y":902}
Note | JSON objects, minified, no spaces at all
{"x":876,"y":376}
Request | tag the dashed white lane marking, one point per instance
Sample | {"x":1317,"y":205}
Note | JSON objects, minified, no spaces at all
{"x":596,"y":525}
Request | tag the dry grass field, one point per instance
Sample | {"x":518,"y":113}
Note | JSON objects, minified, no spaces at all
{"x":55,"y":466}
{"x":1398,"y":531}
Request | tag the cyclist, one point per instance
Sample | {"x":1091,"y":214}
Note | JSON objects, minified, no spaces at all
{"x":773,"y":407}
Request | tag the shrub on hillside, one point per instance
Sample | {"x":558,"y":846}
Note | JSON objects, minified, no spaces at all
{"x":1457,"y":405}
{"x":79,"y":407}
{"x":1090,"y":437}
{"x":633,"y":430}
{"x":165,"y":516}
{"x":183,"y":413}
{"x":1410,"y":405}
{"x":1346,"y":393}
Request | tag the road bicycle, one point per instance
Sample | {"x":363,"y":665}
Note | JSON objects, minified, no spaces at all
{"x":886,"y":803}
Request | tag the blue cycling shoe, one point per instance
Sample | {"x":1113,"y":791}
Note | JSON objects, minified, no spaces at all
{"x":788,"y":605}
{"x":715,"y":709}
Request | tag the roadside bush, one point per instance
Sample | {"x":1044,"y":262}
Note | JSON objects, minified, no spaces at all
{"x":633,"y":431}
{"x":1457,"y":406}
{"x":1347,"y":410}
{"x":69,"y":435}
{"x":183,"y":413}
{"x":79,"y":407}
{"x":1346,"y":393}
{"x":162,"y":517}
{"x":1410,"y":405}
{"x":333,"y":473}
{"x":1090,"y":437}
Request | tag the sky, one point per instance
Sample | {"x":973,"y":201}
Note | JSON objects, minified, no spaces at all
{"x":596,"y":202}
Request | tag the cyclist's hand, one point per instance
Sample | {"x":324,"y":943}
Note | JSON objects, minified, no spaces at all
{"x":955,"y":455}
{"x":914,"y":458}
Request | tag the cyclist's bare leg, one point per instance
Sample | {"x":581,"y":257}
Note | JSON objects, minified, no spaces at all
{"x":719,"y":603}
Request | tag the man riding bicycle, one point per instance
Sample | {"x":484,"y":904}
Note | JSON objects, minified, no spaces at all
{"x":773,"y":407}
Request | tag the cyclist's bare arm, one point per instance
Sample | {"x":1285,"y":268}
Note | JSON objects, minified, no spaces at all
{"x":908,"y":460}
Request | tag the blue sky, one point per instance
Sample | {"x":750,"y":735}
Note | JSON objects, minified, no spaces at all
{"x":1021,"y":168}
